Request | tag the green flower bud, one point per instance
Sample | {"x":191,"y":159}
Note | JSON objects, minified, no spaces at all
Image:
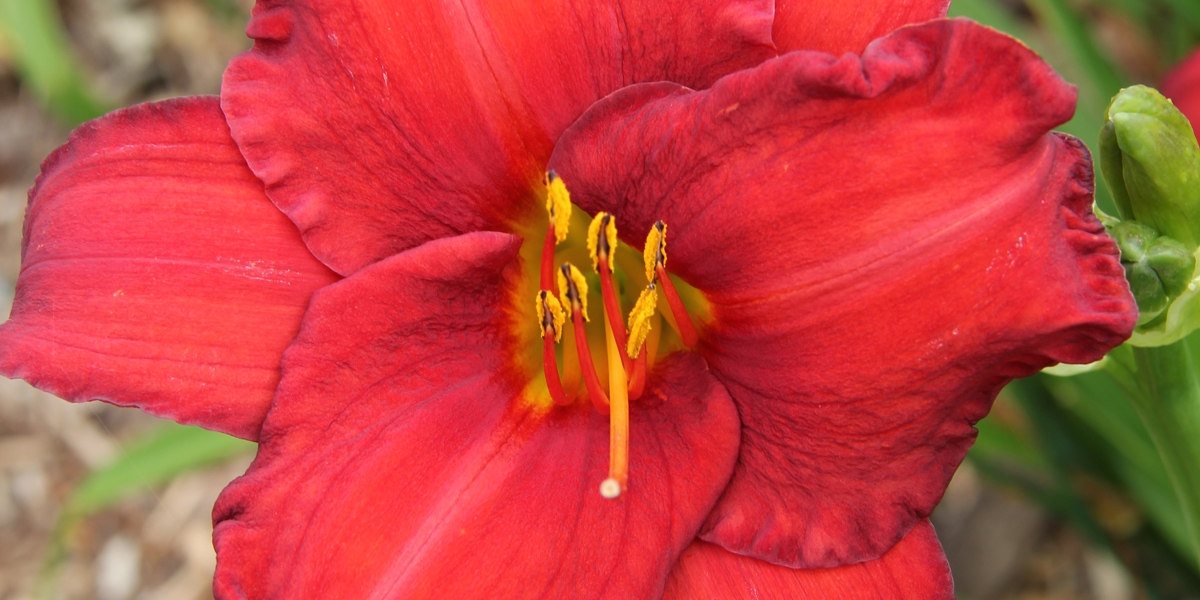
{"x":1149,"y":156}
{"x":1151,"y":299}
{"x":1164,"y":280}
{"x":1172,"y":263}
{"x":1138,"y":243}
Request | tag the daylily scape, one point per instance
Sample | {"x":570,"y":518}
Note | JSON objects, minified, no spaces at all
{"x":567,"y":299}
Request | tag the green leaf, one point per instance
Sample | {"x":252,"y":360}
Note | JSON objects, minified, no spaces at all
{"x":154,"y":459}
{"x":161,"y":455}
{"x":35,"y":32}
{"x":1096,"y":402}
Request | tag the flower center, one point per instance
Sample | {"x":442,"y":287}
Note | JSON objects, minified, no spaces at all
{"x":628,"y":352}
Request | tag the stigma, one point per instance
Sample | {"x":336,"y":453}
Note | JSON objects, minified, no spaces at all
{"x":629,"y":345}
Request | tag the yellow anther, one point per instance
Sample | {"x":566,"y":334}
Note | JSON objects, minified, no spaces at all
{"x":558,"y":204}
{"x":640,"y":319}
{"x":655,"y":251}
{"x":550,"y":314}
{"x":572,"y":292}
{"x":602,"y":243}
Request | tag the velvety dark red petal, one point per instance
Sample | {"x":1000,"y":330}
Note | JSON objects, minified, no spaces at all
{"x":914,"y":569}
{"x":885,"y":242}
{"x":837,"y":26}
{"x":156,"y":273}
{"x":1182,"y":86}
{"x":401,"y":459}
{"x":378,"y":125}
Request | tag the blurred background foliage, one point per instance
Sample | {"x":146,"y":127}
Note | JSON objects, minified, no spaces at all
{"x":1072,"y":446}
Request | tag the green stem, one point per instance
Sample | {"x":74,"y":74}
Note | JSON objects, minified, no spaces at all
{"x":1170,"y":408}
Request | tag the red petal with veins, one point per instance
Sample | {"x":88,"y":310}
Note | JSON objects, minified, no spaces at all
{"x":838,"y":26}
{"x":914,"y":569}
{"x":885,"y":242}
{"x":378,"y":125}
{"x":156,"y":273}
{"x":1182,"y":86}
{"x":400,"y":444}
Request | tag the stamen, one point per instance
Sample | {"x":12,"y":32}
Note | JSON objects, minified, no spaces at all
{"x":640,"y":319}
{"x":655,"y":251}
{"x":637,"y":384}
{"x":551,"y":317}
{"x":618,"y":423}
{"x":655,"y":254}
{"x":548,"y":258}
{"x":558,"y":207}
{"x":572,"y":289}
{"x":571,"y":376}
{"x":602,"y":239}
{"x":652,"y":340}
{"x":687,"y":331}
{"x":558,"y":204}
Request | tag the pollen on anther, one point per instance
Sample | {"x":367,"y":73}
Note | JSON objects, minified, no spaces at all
{"x":604,"y":221}
{"x":610,"y":488}
{"x":564,"y":290}
{"x":655,"y":251}
{"x":549,"y":306}
{"x":640,"y":319}
{"x":558,"y":205}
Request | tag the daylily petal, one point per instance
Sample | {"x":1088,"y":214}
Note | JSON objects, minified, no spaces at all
{"x":156,"y":273}
{"x":1182,"y":86}
{"x":400,"y":440}
{"x":837,"y":26}
{"x":914,"y":569}
{"x":885,"y":242}
{"x":379,"y":125}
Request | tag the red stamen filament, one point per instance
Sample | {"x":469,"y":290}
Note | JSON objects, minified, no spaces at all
{"x":687,"y":331}
{"x":637,"y":383}
{"x":553,"y":383}
{"x":599,"y":400}
{"x":612,"y":310}
{"x":650,"y":350}
{"x":570,"y":370}
{"x":548,"y":259}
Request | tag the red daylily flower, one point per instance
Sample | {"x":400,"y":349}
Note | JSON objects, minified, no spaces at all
{"x":1182,"y":86}
{"x":878,"y":244}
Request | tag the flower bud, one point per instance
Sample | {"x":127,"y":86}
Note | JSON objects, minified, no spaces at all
{"x":1163,"y":279}
{"x":1158,"y":268}
{"x":1149,"y":156}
